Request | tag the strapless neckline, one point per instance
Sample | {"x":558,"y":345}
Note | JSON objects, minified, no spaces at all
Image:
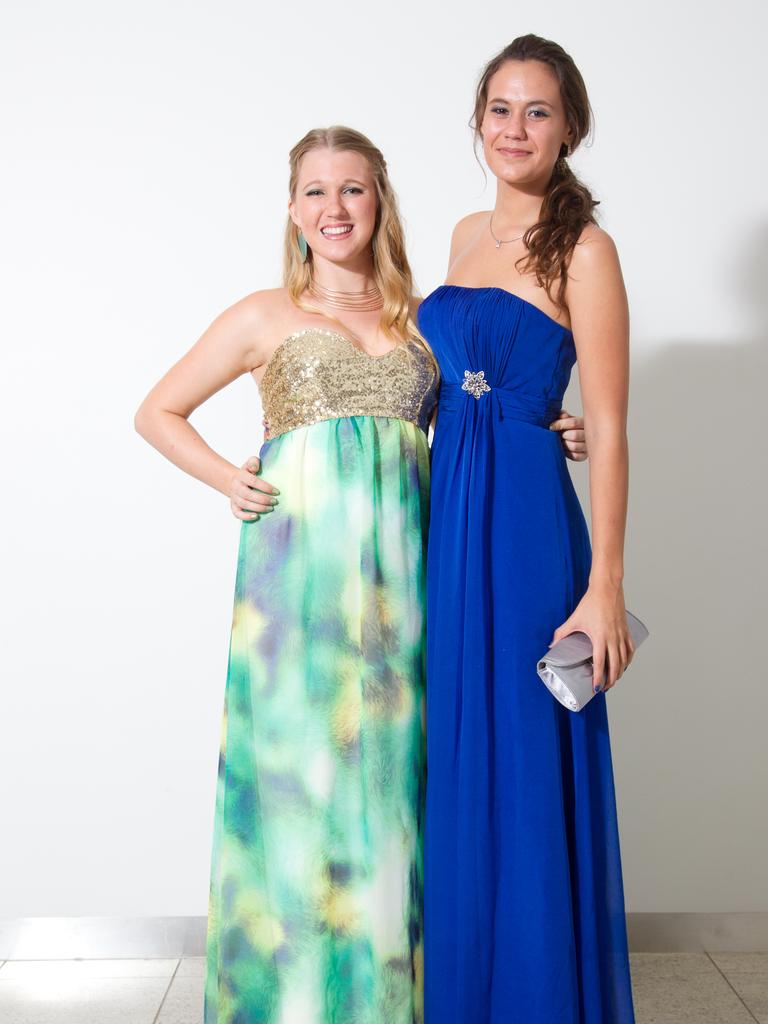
{"x":512,"y":295}
{"x":331,"y":334}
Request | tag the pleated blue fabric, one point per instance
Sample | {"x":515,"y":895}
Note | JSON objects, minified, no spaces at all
{"x":524,"y":902}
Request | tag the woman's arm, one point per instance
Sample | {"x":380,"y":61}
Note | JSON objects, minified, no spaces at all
{"x":597,"y":304}
{"x":230,"y":347}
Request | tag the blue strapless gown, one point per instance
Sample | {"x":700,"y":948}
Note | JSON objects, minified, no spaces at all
{"x":524,"y":903}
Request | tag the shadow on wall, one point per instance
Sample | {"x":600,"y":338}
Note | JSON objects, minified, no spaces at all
{"x":688,"y":719}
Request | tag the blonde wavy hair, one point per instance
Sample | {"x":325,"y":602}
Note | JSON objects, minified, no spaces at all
{"x":391,"y":269}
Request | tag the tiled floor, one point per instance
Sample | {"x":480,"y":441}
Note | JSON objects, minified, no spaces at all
{"x":670,"y":988}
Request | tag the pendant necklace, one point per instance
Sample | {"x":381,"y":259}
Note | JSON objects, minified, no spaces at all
{"x":502,"y":241}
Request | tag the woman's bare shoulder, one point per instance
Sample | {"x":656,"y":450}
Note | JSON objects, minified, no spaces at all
{"x":465,"y":228}
{"x":465,"y":232}
{"x":260,"y":316}
{"x":594,"y":260}
{"x":261,"y":306}
{"x":593,"y":247}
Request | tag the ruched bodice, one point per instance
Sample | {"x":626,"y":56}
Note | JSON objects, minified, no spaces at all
{"x":317,"y":374}
{"x":495,"y":346}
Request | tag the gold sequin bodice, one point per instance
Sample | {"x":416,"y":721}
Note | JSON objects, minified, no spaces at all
{"x":317,"y":374}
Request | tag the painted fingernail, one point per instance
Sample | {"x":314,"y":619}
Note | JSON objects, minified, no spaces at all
{"x":275,"y":501}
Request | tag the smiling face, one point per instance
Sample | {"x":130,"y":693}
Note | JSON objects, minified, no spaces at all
{"x":335,"y":204}
{"x":524,"y":123}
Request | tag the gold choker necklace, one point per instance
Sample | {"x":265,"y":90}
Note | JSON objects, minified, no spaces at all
{"x":362,"y":302}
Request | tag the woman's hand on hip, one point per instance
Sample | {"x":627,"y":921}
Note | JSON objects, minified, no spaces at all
{"x":572,"y":435}
{"x":249,"y":495}
{"x":601,"y":614}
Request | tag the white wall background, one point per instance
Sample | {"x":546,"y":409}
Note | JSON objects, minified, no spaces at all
{"x":144,"y":189}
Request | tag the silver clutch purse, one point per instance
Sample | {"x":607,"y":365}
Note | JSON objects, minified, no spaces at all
{"x":566,"y":668}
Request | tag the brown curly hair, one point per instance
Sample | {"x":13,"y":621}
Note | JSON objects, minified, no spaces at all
{"x":568,"y":204}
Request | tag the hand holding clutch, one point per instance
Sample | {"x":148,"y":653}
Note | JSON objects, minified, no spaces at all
{"x":566,"y":668}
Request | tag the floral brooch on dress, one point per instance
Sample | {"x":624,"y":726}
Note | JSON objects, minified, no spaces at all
{"x":475,"y":383}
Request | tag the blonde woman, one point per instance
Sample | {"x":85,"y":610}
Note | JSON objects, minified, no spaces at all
{"x":316,"y":891}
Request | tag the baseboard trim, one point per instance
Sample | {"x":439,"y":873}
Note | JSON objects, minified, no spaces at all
{"x":698,"y":933}
{"x":69,"y":938}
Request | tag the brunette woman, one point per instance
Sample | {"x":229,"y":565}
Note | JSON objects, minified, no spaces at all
{"x":524,"y":909}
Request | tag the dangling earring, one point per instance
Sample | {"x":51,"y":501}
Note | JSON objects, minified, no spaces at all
{"x":303,"y":247}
